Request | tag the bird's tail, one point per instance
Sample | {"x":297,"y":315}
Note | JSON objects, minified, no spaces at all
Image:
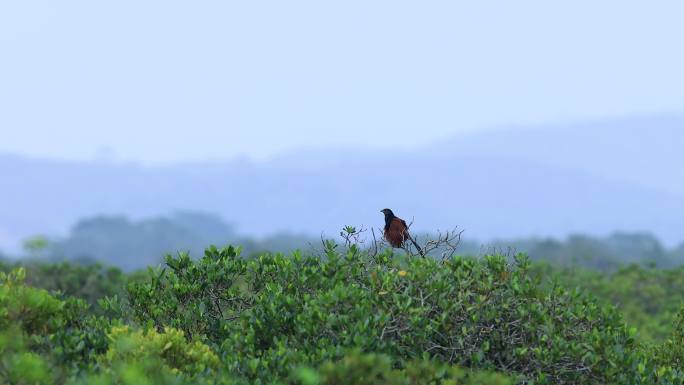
{"x":420,"y":251}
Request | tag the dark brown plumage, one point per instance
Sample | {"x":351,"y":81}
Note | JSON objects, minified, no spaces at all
{"x":396,"y":231}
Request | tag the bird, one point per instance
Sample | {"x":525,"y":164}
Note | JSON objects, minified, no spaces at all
{"x":396,"y":231}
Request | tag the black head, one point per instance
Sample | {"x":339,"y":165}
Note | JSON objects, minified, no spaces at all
{"x":388,"y":213}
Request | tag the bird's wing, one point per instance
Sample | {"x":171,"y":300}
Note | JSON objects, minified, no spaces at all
{"x":406,"y":232}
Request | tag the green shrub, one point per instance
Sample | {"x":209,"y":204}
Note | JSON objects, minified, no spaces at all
{"x":649,"y":298}
{"x":45,"y":331}
{"x":175,"y":353}
{"x":27,"y":317}
{"x":200,"y":298}
{"x":374,"y":369}
{"x":148,"y":371}
{"x":342,"y":317}
{"x":137,"y":357}
{"x":273,"y":313}
{"x":31,"y":310}
{"x":665,"y":362}
{"x":87,"y":282}
{"x":18,"y":365}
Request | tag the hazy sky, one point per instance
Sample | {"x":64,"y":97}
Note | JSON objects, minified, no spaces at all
{"x":163,"y":81}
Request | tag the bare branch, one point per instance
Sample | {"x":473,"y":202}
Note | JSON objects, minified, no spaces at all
{"x":443,"y":246}
{"x":375,"y":243}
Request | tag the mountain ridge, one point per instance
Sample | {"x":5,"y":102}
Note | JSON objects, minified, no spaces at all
{"x":493,"y":184}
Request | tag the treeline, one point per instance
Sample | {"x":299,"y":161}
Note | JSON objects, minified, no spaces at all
{"x":598,"y":253}
{"x":340,"y":317}
{"x":130,"y":245}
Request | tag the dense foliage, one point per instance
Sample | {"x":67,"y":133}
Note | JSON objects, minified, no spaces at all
{"x":337,"y":318}
{"x":648,"y":297}
{"x":90,"y":282}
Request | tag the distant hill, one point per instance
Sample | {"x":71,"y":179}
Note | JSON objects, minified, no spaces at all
{"x":647,"y":151}
{"x":592,"y":177}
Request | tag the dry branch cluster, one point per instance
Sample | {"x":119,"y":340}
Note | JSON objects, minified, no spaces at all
{"x":442,"y":245}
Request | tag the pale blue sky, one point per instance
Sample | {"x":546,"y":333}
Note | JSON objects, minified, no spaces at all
{"x":165,"y":81}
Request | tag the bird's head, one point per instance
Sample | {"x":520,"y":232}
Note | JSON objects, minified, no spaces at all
{"x":387,"y":212}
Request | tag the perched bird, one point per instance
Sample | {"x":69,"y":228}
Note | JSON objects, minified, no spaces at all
{"x":396,"y":231}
